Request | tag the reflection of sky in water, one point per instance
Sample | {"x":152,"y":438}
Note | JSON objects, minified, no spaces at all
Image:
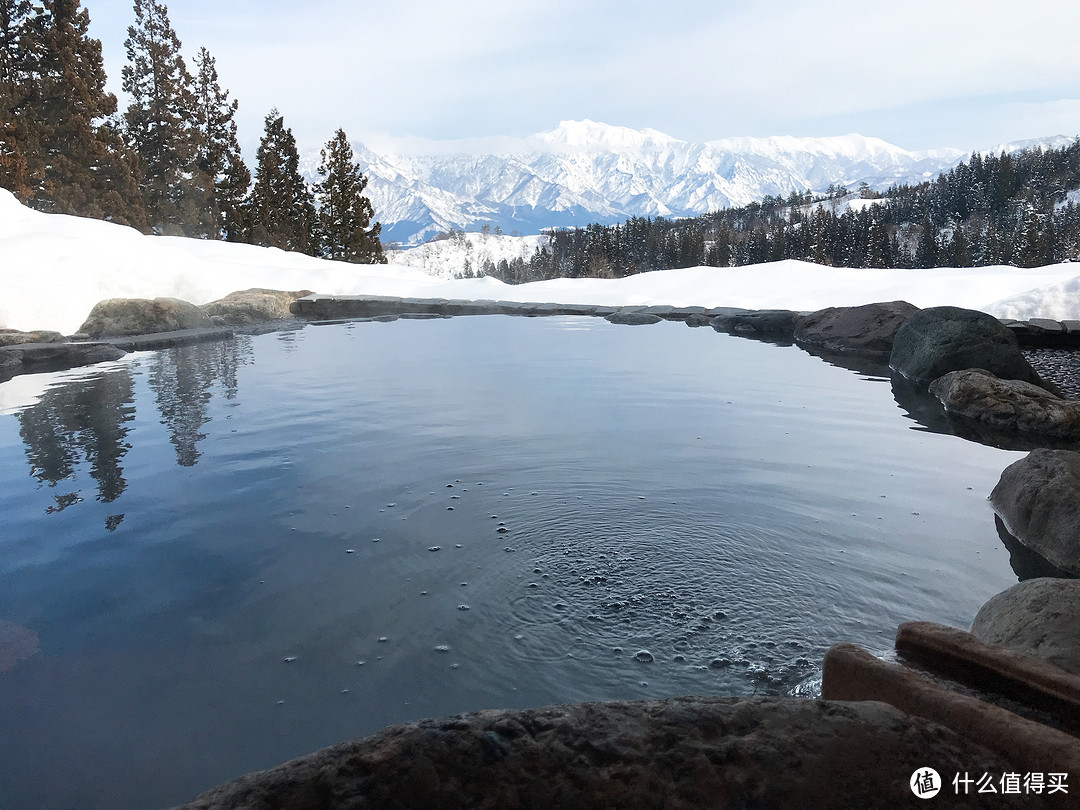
{"x":26,"y":389}
{"x":729,"y":507}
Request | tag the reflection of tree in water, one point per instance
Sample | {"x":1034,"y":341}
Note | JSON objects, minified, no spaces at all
{"x":182,"y":378}
{"x":82,"y":419}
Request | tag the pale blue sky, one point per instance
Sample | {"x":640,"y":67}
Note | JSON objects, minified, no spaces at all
{"x":920,"y":74}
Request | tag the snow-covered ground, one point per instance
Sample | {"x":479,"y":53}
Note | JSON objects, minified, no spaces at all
{"x":463,"y":254}
{"x":54,"y":268}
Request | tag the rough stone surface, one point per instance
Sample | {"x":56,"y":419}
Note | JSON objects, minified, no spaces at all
{"x":765,"y":324}
{"x":677,"y":753}
{"x":851,"y":673}
{"x":1045,"y":325}
{"x":140,"y":316}
{"x":663,"y":310}
{"x":1038,"y":499}
{"x":633,"y":318}
{"x":1058,"y":366}
{"x":1025,"y":563}
{"x":1010,"y":405}
{"x":253,"y":306}
{"x":1032,"y":686}
{"x":697,"y":319}
{"x":864,"y":330}
{"x":26,"y":357}
{"x":17,"y":643}
{"x":1038,"y":617}
{"x":13,"y":337}
{"x":167,"y":340}
{"x":935,"y":341}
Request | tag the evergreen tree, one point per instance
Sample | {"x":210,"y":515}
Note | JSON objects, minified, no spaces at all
{"x":160,"y":126}
{"x":926,"y":250}
{"x":14,"y":89}
{"x":219,"y":151}
{"x":64,"y":154}
{"x":1029,"y":243}
{"x":344,"y":211}
{"x":282,"y":208}
{"x":877,"y":242}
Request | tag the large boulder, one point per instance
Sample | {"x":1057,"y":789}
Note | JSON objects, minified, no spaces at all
{"x":1038,"y":499}
{"x":13,"y":337}
{"x":1025,"y":563}
{"x":777,"y":325}
{"x":676,"y":753}
{"x":27,"y":357}
{"x":935,"y":341}
{"x":633,"y":318}
{"x":1038,"y":617}
{"x":1012,"y":406}
{"x":117,"y":317}
{"x":256,"y":305}
{"x":864,"y":330}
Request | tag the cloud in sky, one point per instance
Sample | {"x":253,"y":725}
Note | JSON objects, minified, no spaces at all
{"x":920,"y":74}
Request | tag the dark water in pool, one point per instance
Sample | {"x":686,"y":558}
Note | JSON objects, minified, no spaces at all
{"x":238,"y":552}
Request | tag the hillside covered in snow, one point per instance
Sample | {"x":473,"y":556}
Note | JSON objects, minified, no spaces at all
{"x":466,"y":255}
{"x":56,"y":267}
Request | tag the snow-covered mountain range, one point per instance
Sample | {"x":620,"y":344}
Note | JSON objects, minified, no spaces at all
{"x":584,"y":171}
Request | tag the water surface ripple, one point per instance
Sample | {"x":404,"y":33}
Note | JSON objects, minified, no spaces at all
{"x":234,"y":553}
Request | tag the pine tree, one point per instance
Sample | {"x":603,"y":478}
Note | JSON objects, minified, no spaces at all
{"x":219,"y":151}
{"x":1029,"y":243}
{"x":281,"y":209}
{"x":344,"y":211}
{"x":160,"y":126}
{"x":14,"y":89}
{"x":64,"y":153}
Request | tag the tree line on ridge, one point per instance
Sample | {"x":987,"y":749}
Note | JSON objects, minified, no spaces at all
{"x":170,"y":163}
{"x":1016,"y":209}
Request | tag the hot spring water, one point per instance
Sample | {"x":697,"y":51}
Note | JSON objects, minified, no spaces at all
{"x":234,"y":553}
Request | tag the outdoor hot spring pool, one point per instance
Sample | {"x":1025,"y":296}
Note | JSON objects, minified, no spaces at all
{"x":235,"y":553}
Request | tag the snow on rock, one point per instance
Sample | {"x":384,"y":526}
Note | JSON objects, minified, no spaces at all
{"x":54,"y":268}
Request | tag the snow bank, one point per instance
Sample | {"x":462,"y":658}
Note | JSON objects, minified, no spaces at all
{"x":54,"y":268}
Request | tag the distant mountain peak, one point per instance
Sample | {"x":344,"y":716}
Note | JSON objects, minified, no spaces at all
{"x":593,"y":134}
{"x":587,"y":171}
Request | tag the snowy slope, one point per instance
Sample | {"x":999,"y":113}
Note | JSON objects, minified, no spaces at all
{"x":464,"y":254}
{"x":584,"y":171}
{"x":54,"y":268}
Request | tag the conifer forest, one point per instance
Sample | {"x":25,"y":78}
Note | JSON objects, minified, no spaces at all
{"x":169,"y":163}
{"x":1014,"y":209}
